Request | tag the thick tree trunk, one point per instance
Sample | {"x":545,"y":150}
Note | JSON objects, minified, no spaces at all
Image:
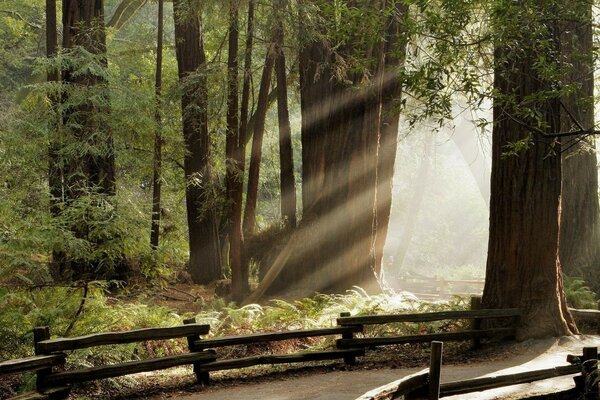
{"x":257,"y":140}
{"x":391,"y":93}
{"x":157,"y":164}
{"x":523,"y":269}
{"x":239,"y":282}
{"x":90,"y":172}
{"x":205,"y":263}
{"x":286,"y":157}
{"x":579,"y":228}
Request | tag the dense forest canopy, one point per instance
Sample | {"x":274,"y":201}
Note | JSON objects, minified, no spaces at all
{"x":146,"y":142}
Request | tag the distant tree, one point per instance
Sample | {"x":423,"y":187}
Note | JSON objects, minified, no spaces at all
{"x":523,"y":268}
{"x":157,"y":161}
{"x":234,"y":151}
{"x":205,"y":262}
{"x":257,"y":141}
{"x":287,"y":181}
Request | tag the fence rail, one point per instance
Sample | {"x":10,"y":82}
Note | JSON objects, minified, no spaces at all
{"x":425,"y":384}
{"x":139,"y":335}
{"x":30,"y":363}
{"x":52,"y":378}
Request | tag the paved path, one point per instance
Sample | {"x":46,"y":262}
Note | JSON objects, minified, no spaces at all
{"x":347,"y":385}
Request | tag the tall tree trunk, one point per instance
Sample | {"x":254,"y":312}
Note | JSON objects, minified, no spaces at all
{"x":257,"y":140}
{"x":391,"y":93}
{"x":239,"y":283}
{"x":286,"y":157}
{"x":55,"y":172}
{"x":205,"y":263}
{"x":89,"y":173}
{"x":579,"y":227}
{"x":523,"y":269}
{"x":157,"y":164}
{"x":239,"y":252}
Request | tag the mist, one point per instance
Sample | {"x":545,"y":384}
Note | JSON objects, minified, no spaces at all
{"x":439,"y":219}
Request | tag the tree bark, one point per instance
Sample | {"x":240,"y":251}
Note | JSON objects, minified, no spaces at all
{"x":391,"y":93}
{"x":239,"y":282}
{"x":579,"y":227}
{"x":55,"y":172}
{"x":286,"y":157}
{"x":257,"y":139}
{"x":204,"y":263}
{"x":157,"y":164}
{"x":523,"y":269}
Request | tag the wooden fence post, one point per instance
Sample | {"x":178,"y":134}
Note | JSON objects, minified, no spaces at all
{"x":435,"y":370}
{"x":202,"y":377}
{"x":348,"y":359}
{"x":41,"y":333}
{"x":476,"y":324}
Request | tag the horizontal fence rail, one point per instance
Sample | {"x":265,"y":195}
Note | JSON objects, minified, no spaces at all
{"x":425,"y":385}
{"x":139,"y":335}
{"x":127,"y":368}
{"x":280,"y":359}
{"x":429,"y":317}
{"x":273,"y":336}
{"x":585,"y":315}
{"x":493,"y":382}
{"x":31,"y":363}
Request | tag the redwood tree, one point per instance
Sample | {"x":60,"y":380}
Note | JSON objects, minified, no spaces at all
{"x":204,"y":263}
{"x":523,"y":268}
{"x":579,"y":227}
{"x":86,"y":151}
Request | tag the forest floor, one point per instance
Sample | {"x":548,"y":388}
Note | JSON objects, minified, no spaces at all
{"x":336,"y":381}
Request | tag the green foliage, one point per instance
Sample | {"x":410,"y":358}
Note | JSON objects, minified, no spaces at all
{"x":578,"y":294}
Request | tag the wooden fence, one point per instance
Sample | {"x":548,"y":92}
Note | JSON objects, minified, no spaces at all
{"x":426,"y":383}
{"x":53,"y":381}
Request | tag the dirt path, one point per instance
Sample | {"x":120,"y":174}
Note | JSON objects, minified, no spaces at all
{"x":347,"y":385}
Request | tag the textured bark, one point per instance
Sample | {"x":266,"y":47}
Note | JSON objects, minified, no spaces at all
{"x":205,"y":262}
{"x":238,"y":189}
{"x":523,"y":269}
{"x":157,"y":162}
{"x":391,"y":93}
{"x":579,"y":228}
{"x":257,"y":140}
{"x":286,"y":157}
{"x":239,"y":283}
{"x":55,"y":171}
{"x":92,"y":170}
